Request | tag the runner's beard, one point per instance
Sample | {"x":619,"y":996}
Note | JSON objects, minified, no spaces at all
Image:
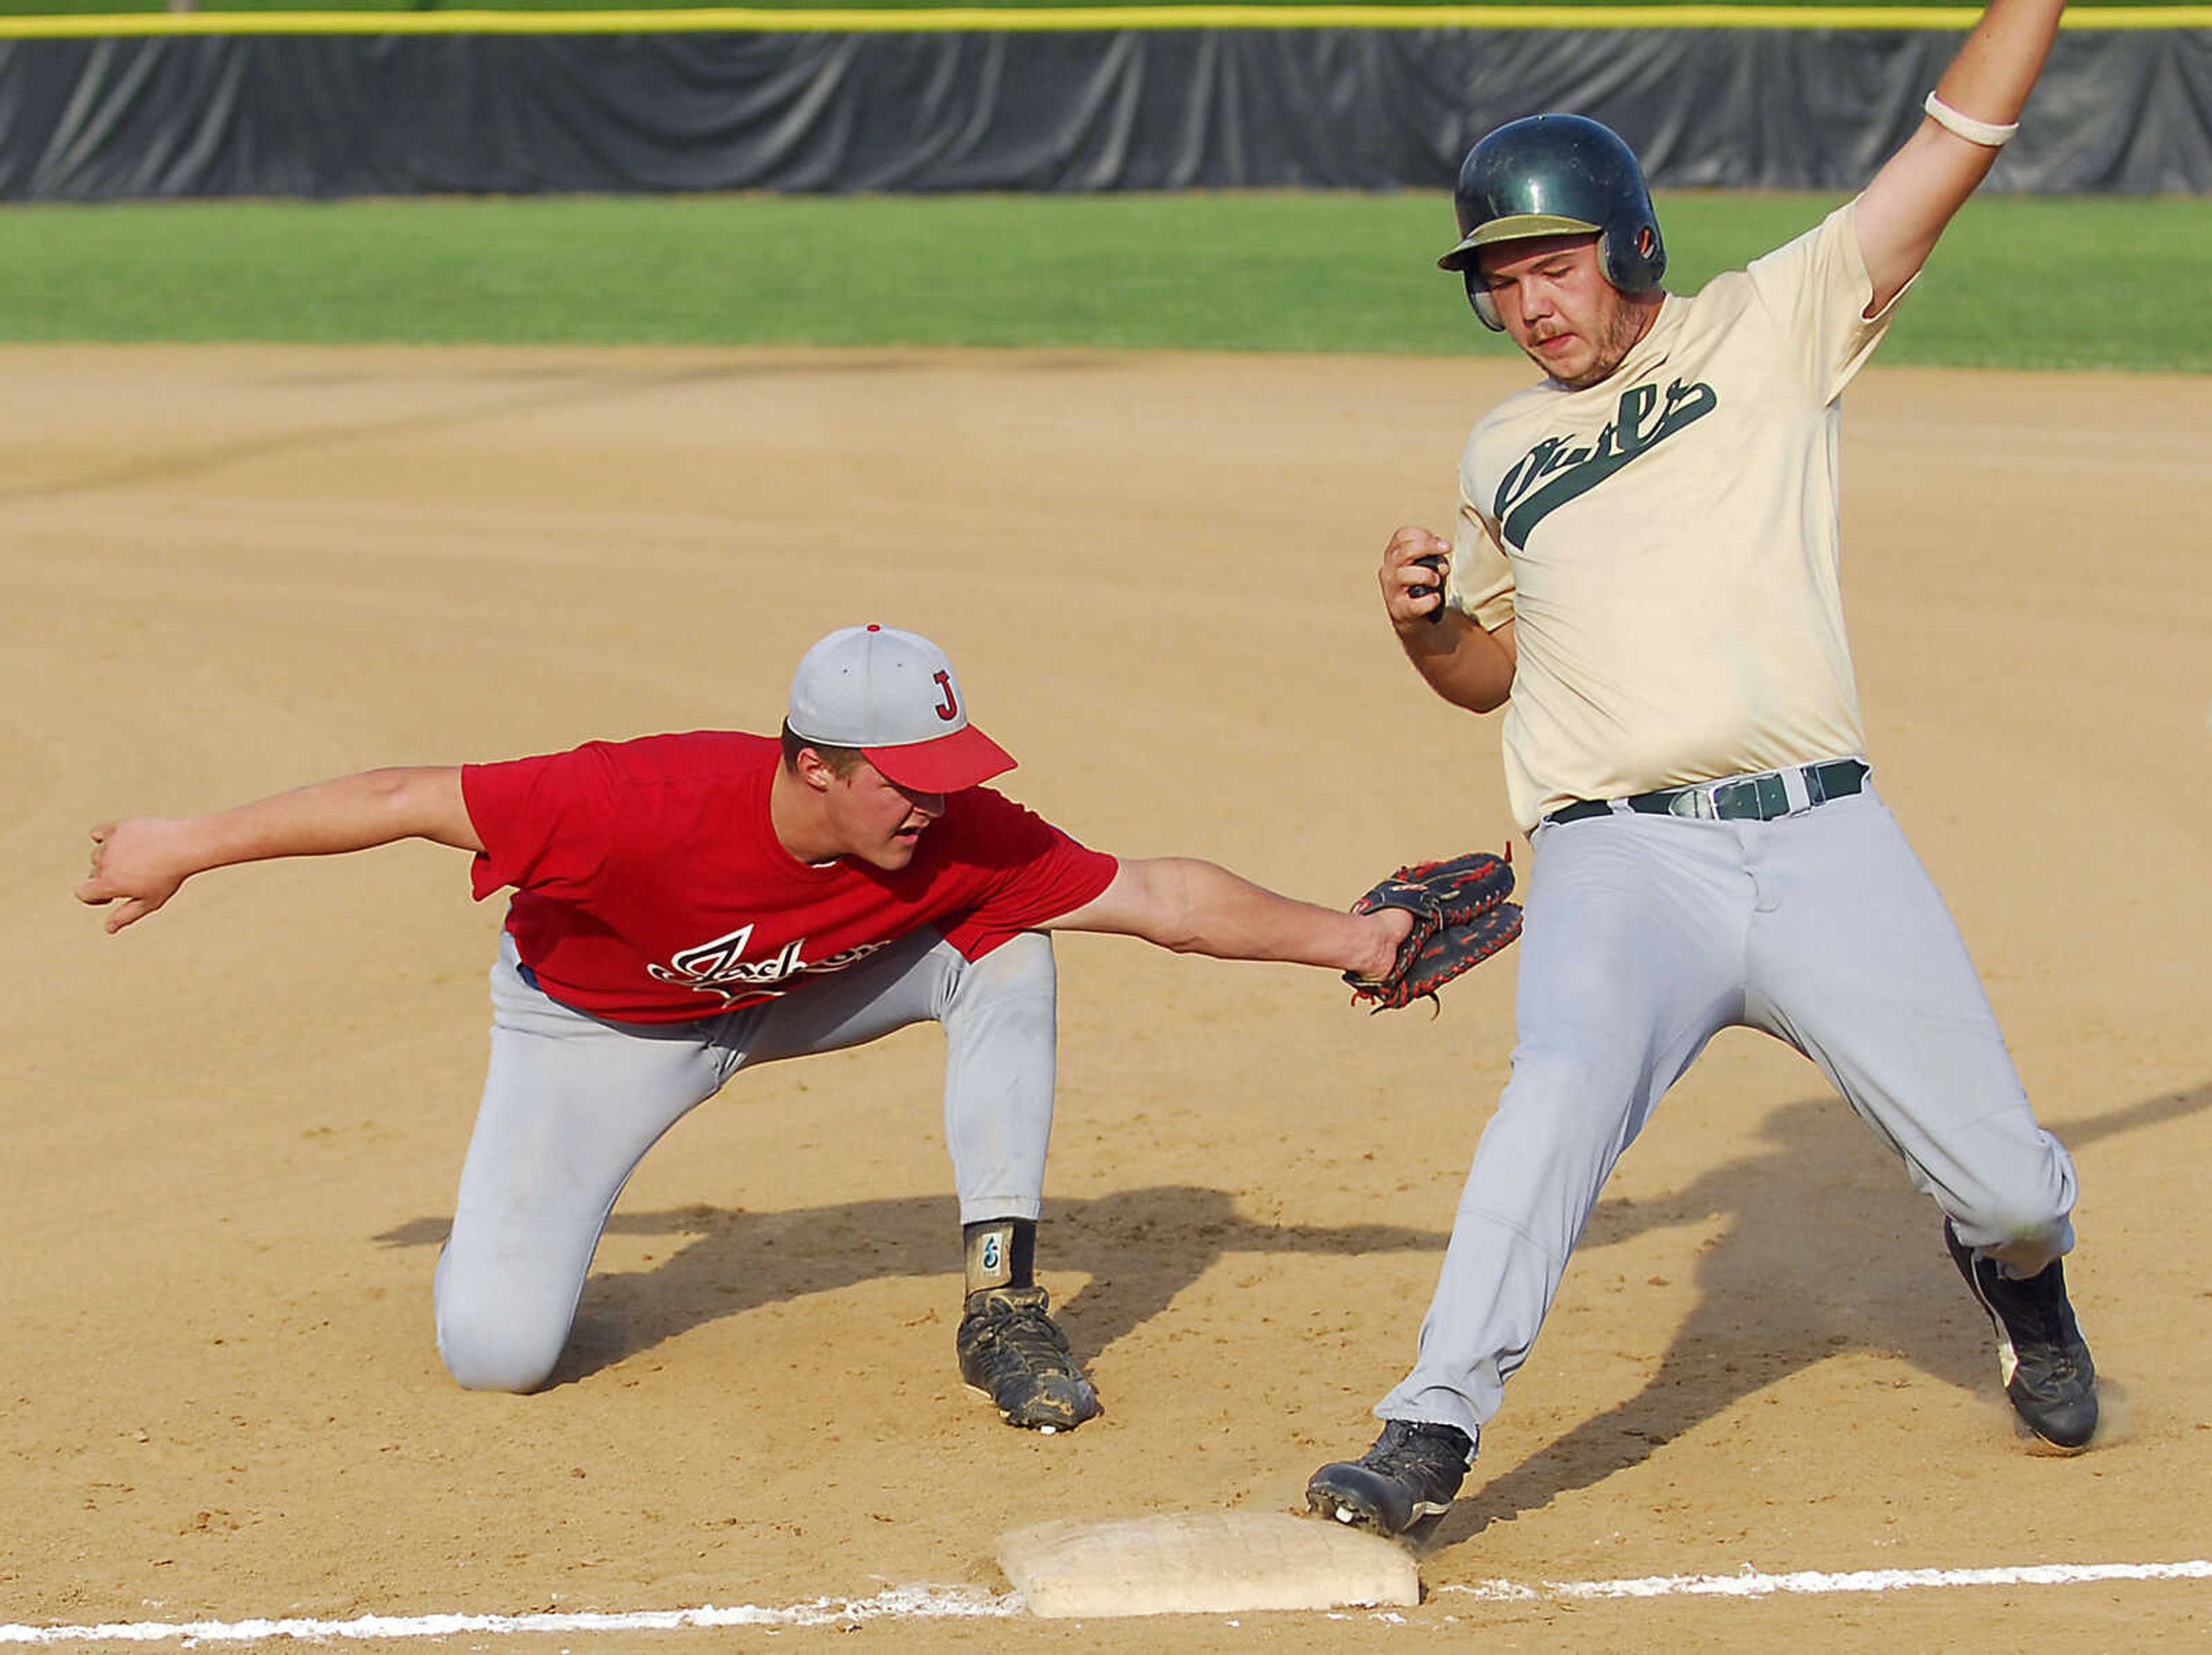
{"x":1624,"y":327}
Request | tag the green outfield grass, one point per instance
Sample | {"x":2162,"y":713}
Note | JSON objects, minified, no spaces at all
{"x":82,"y":8}
{"x":2019,"y":281}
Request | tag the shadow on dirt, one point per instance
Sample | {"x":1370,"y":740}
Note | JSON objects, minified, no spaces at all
{"x":1828,"y":1251}
{"x":1825,"y":1250}
{"x":1141,"y":1247}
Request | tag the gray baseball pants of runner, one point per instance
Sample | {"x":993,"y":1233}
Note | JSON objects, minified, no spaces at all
{"x":572,"y":1102}
{"x":1645,"y":936}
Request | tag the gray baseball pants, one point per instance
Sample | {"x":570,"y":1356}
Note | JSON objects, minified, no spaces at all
{"x":1645,"y":936}
{"x":572,"y":1102}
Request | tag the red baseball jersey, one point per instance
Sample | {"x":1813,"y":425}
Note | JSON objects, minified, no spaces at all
{"x":650,"y":887}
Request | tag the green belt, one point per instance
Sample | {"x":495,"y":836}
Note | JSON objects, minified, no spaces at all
{"x":1745,"y":799}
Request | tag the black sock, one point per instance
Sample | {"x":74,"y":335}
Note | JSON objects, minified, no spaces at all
{"x":1001,"y":1253}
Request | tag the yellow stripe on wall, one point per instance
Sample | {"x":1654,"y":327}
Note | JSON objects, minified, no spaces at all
{"x":1060,"y":18}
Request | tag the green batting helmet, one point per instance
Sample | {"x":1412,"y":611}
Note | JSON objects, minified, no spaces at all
{"x":1556,"y":175}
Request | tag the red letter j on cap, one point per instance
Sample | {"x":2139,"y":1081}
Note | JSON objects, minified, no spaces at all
{"x":950,"y":709}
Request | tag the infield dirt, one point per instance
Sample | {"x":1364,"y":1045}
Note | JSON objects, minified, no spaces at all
{"x":234,"y":1132}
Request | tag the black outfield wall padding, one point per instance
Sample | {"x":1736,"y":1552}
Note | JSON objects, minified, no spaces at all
{"x":111,"y":118}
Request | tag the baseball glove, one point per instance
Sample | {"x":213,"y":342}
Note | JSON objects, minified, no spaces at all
{"x":1461,"y":917}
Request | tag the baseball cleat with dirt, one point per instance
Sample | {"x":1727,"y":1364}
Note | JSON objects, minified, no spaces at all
{"x":2049,"y":1376}
{"x":1409,"y":1477}
{"x":1012,"y":1352}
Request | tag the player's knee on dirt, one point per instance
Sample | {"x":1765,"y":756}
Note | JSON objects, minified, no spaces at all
{"x":487,"y":1337}
{"x":485,"y":1357}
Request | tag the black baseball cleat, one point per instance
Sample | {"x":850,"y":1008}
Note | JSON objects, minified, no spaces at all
{"x":1015,"y":1354}
{"x":2048,"y":1375}
{"x":1409,"y":1475}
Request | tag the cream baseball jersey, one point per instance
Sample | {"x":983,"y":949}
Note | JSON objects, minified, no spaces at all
{"x":1667,"y":542}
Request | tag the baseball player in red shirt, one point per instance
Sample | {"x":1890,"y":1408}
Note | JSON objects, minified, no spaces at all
{"x":686,"y":906}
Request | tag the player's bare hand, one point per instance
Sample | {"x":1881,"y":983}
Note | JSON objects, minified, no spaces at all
{"x":1413,"y":577}
{"x":136,"y":867}
{"x":1390,"y":927}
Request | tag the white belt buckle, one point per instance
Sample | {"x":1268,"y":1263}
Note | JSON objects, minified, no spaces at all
{"x":1797,"y":787}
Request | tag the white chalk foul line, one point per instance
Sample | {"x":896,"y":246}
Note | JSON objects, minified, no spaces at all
{"x":898,"y":1602}
{"x":964,"y":1603}
{"x":1750,"y":1585}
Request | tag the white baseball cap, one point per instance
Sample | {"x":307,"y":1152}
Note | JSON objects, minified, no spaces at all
{"x":892,"y":695}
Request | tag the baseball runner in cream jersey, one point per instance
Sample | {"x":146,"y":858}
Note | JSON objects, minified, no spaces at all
{"x":1644,"y":574}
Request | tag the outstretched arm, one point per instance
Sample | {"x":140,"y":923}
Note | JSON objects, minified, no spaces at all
{"x":1913,"y":196}
{"x":1200,"y":908}
{"x":138,"y":863}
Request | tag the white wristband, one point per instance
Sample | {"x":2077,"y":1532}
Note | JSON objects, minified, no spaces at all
{"x":1988,"y":134}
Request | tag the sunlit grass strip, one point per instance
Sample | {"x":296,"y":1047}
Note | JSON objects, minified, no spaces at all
{"x":1269,"y":270}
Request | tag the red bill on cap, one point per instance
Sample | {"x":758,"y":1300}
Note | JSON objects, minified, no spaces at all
{"x":945,"y":766}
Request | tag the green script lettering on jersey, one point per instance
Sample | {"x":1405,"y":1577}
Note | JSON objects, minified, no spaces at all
{"x":1574,"y":471}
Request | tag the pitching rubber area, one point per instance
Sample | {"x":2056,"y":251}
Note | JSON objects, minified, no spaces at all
{"x":1763,"y":1412}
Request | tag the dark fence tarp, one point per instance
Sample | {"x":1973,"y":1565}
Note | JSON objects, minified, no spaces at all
{"x":112,"y":118}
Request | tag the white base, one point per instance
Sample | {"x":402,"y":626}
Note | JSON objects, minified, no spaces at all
{"x":1203,"y":1563}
